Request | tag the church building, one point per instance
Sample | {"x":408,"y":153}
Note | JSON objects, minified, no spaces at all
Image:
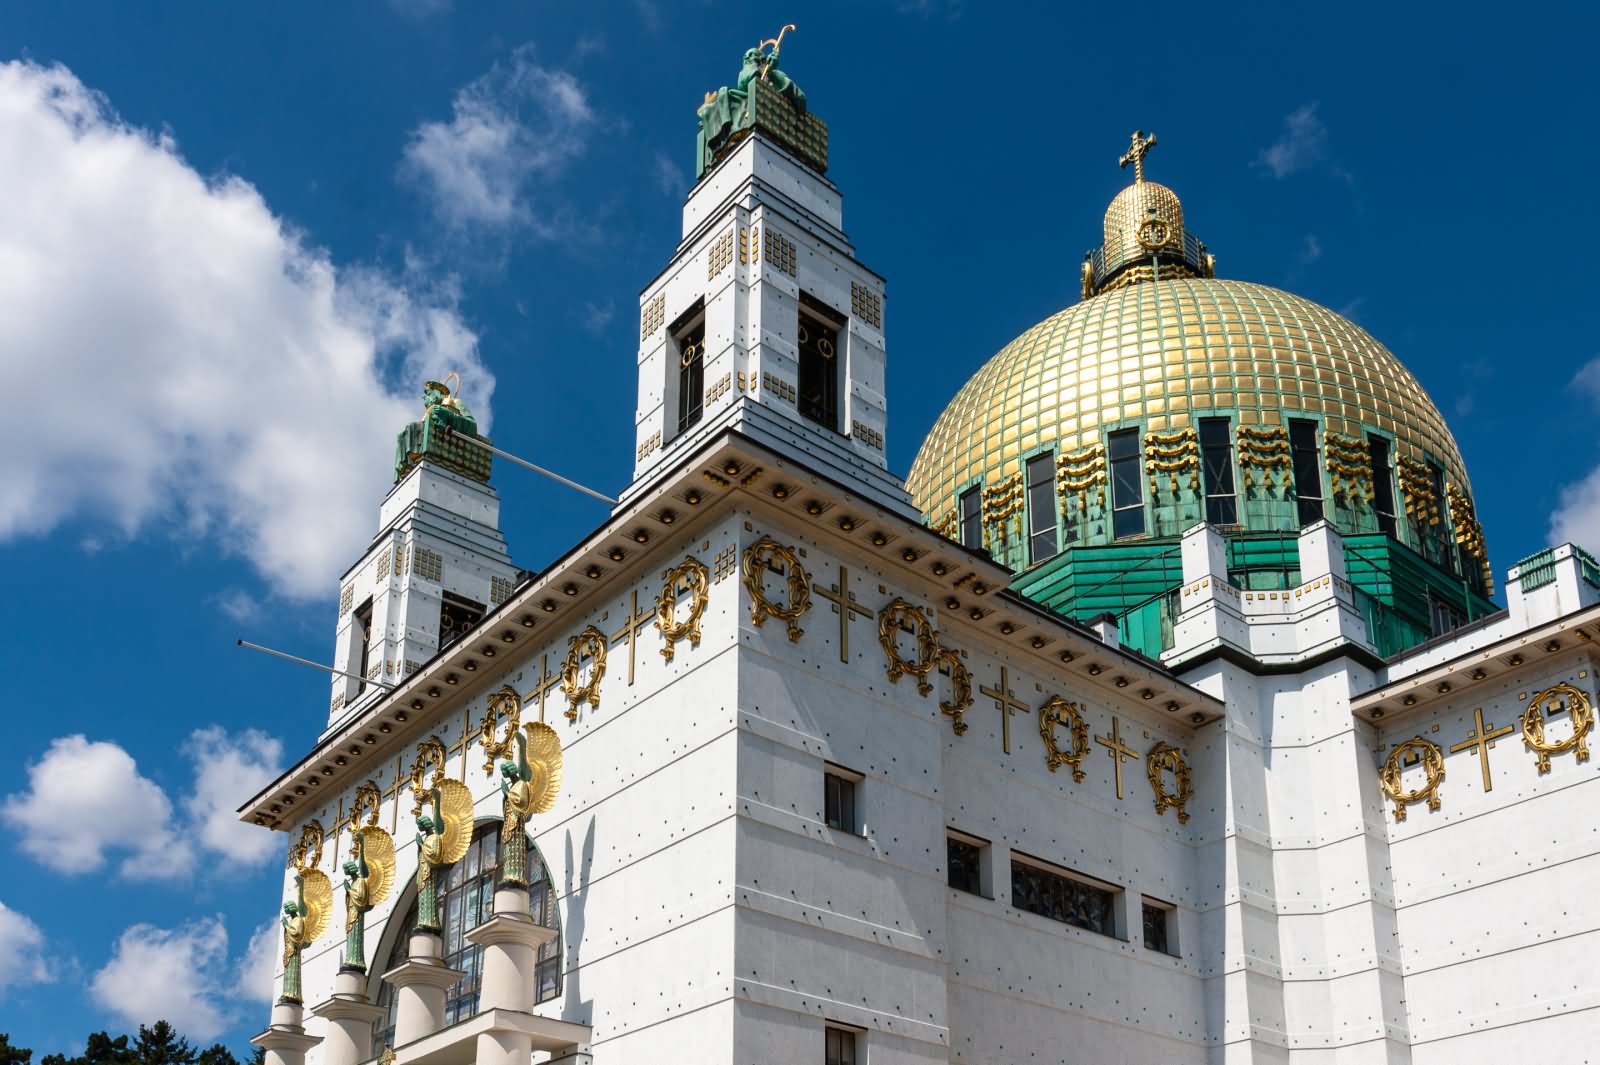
{"x":1160,"y":714}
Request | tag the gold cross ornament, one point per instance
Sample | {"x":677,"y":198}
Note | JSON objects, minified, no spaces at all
{"x":1482,"y":738}
{"x":845,"y":605}
{"x":1007,"y":704}
{"x":1115,"y":747}
{"x":630,"y":632}
{"x":1136,"y":152}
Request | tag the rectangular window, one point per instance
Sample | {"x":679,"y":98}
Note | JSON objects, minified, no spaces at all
{"x":841,"y":1047}
{"x":1435,"y":537}
{"x":1307,"y":471}
{"x":1063,"y":898}
{"x":1216,"y":459}
{"x":689,"y":339}
{"x":1443,"y":617}
{"x":839,"y":788}
{"x":1160,"y":931}
{"x":1127,"y":486}
{"x":1042,"y":507}
{"x":362,"y":636}
{"x":964,"y":860}
{"x":818,"y":395}
{"x":1382,"y":483}
{"x":972,"y":518}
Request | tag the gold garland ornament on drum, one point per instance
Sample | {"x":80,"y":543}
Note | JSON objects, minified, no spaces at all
{"x":757,"y":558}
{"x":1055,"y":712}
{"x":689,"y":576}
{"x":590,"y":644}
{"x":505,"y":702}
{"x":305,"y":917}
{"x":443,"y":836}
{"x":528,"y":786}
{"x":368,"y":874}
{"x":900,"y":616}
{"x":1553,"y":701}
{"x":1165,"y":758}
{"x":1432,"y":758}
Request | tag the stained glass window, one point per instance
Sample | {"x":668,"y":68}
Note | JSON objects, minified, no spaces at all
{"x":1062,"y":898}
{"x":466,"y":900}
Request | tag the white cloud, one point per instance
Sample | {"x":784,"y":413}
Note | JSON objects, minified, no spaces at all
{"x":209,"y":372}
{"x":258,"y":968}
{"x":1577,"y":517}
{"x":227,"y":771}
{"x":1587,"y":379}
{"x":86,"y":799}
{"x":420,"y":9}
{"x":515,"y":123}
{"x":670,"y":177}
{"x":1310,"y":249}
{"x":22,"y":958}
{"x":174,"y":974}
{"x":1303,"y":143}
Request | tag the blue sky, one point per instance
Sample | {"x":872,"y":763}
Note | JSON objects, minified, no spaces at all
{"x":234,"y":239}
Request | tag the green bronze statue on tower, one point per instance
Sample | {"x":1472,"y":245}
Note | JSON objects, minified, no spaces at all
{"x":765,"y":98}
{"x":436,"y":436}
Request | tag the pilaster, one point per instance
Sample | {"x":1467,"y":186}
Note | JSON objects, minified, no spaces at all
{"x":511,"y":941}
{"x":420,"y":984}
{"x":350,"y":1016}
{"x":285,"y":1041}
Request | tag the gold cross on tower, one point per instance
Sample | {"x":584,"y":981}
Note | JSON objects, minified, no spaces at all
{"x":1117,"y":750}
{"x":844,"y":604}
{"x":1007,"y":704}
{"x":1482,"y":738}
{"x":630,"y":630}
{"x":1136,"y":153}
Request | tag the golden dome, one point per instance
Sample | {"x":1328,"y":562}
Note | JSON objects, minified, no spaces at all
{"x":1144,"y":217}
{"x":1159,"y":354}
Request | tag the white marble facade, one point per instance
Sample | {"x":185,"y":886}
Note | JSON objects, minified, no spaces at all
{"x":709,"y":914}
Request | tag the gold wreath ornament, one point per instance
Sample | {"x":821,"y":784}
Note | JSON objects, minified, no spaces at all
{"x":690,"y":576}
{"x":1162,"y":759}
{"x":900,"y":616}
{"x":1432,"y":759}
{"x":948,"y":660}
{"x":1553,"y":700}
{"x":757,"y":558}
{"x":590,"y":643}
{"x":430,"y":751}
{"x":307,"y":852}
{"x":1056,"y":712}
{"x":505,"y":702}
{"x":368,"y":800}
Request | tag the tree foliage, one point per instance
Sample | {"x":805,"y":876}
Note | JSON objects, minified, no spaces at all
{"x":156,"y":1044}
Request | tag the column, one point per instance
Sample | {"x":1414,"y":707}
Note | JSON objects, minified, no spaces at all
{"x":420,"y":983}
{"x":510,"y":941}
{"x":350,"y":1016}
{"x":285,"y":1041}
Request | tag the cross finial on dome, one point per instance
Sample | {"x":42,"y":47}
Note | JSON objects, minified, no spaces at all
{"x":1136,"y":153}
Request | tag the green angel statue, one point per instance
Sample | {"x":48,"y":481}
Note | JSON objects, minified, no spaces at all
{"x":442,"y":840}
{"x":528,"y":786}
{"x":368,"y":880}
{"x":305,"y":918}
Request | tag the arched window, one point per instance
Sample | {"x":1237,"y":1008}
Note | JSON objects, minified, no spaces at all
{"x":466,"y":900}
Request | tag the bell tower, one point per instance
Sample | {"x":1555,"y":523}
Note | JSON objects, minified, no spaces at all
{"x":764,"y":320}
{"x":438,"y":563}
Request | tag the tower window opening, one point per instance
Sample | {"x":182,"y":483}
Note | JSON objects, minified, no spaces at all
{"x":1216,"y":457}
{"x":457,"y":617}
{"x":689,"y":340}
{"x":363,"y":635}
{"x":1041,"y":474}
{"x":1307,"y":470}
{"x":1435,"y":536}
{"x":972,"y":518}
{"x":818,"y":392}
{"x":1382,"y":483}
{"x":1443,"y":617}
{"x":1127,"y":487}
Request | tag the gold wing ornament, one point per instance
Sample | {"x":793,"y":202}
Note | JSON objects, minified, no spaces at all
{"x":319,"y":904}
{"x":379,"y":847}
{"x":455,"y":805}
{"x":544,"y":758}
